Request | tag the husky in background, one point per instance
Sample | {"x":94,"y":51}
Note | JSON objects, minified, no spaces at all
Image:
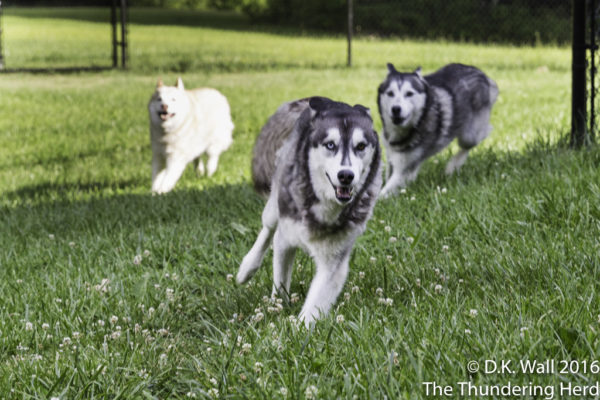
{"x":421,"y":115}
{"x":319,"y":161}
{"x":184,"y":125}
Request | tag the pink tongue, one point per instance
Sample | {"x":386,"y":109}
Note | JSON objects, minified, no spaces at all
{"x":342,"y":191}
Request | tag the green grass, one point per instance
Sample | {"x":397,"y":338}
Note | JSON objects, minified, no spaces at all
{"x":520,"y":222}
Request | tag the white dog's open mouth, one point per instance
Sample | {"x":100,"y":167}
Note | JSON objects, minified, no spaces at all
{"x":165,"y":115}
{"x":342,"y":193}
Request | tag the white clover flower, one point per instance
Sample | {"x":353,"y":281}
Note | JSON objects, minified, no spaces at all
{"x":137,"y":259}
{"x":45,"y":326}
{"x":339,"y":318}
{"x":413,"y":198}
{"x":283,"y":391}
{"x":346,"y":296}
{"x":445,"y":248}
{"x":163,"y":332}
{"x":191,"y":395}
{"x":19,"y":281}
{"x":388,"y":302}
{"x":156,"y":286}
{"x":393,"y":239}
{"x":403,"y":191}
{"x":410,"y":239}
{"x":258,"y":317}
{"x":355,"y":289}
{"x":418,"y":282}
{"x":51,"y":236}
{"x":170,"y":293}
{"x":292,"y":319}
{"x":294,"y":298}
{"x":437,"y":271}
{"x":258,"y":367}
{"x":473,"y":312}
{"x":115,"y":335}
{"x":373,"y":260}
{"x":66,"y":341}
{"x":467,"y":331}
{"x":76,"y":335}
{"x":146,"y":253}
{"x":444,"y":190}
{"x":213,"y":382}
{"x":229,"y":277}
{"x":28,"y":326}
{"x":246,"y":347}
{"x":461,"y":280}
{"x":438,"y":288}
{"x":311,"y":392}
{"x":361,"y":275}
{"x":72,"y":244}
{"x":387,"y":228}
{"x":114,"y":319}
{"x":151,"y":311}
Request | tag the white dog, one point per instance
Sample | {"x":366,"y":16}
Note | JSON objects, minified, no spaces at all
{"x":184,"y":125}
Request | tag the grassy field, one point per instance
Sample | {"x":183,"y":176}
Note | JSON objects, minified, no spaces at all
{"x":111,"y":293}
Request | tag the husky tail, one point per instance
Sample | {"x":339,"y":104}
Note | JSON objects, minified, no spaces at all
{"x":269,"y":141}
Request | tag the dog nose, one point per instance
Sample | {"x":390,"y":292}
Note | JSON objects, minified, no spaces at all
{"x":164,"y":107}
{"x":396,"y":110}
{"x":345,"y":176}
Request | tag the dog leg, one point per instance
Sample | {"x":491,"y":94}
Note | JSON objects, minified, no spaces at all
{"x":211,"y":164}
{"x":457,"y":161}
{"x":171,"y":175}
{"x":200,"y":166}
{"x":324,"y":289}
{"x":253,"y":259}
{"x":404,"y":168}
{"x":283,"y":259}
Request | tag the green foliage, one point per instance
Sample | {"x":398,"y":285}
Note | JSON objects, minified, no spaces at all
{"x":518,"y":22}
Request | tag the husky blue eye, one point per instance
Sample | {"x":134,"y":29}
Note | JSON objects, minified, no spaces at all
{"x":361,"y":146}
{"x":390,"y":93}
{"x":329,"y":145}
{"x":409,"y":94}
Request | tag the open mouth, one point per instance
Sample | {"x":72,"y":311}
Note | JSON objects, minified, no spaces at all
{"x":397,"y":120}
{"x":342,"y":193}
{"x":165,"y":115}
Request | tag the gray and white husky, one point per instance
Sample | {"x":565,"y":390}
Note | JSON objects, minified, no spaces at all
{"x":319,"y":161}
{"x":421,"y":115}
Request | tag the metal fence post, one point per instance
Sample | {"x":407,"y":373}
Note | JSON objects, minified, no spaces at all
{"x":115,"y":43}
{"x":578,"y":95}
{"x":124,"y":33}
{"x":349,"y":33}
{"x":1,"y":47}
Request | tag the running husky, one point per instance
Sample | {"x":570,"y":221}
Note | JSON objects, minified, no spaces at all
{"x":422,"y":115}
{"x":320,"y":162}
{"x":184,"y":125}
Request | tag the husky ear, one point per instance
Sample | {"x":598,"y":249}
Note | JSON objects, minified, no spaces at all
{"x":362,"y":109}
{"x":418,"y":72}
{"x":391,"y":68}
{"x":319,"y":104}
{"x":159,"y":84}
{"x":179,"y":84}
